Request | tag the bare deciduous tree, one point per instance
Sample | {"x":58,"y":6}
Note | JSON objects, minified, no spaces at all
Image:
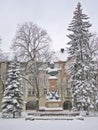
{"x":3,"y":55}
{"x":94,"y":45}
{"x":94,"y":50}
{"x":31,"y":43}
{"x":0,"y":50}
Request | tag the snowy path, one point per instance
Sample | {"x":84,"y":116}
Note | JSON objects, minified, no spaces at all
{"x":89,"y":123}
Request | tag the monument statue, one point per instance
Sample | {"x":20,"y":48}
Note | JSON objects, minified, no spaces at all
{"x":51,"y":70}
{"x":53,"y":93}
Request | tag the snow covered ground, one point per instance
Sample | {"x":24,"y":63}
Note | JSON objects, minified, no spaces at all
{"x":89,"y":123}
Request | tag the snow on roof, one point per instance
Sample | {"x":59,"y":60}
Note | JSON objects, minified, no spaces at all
{"x":52,"y":77}
{"x":61,"y":55}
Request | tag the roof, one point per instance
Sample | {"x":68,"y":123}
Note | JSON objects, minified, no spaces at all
{"x":61,"y":55}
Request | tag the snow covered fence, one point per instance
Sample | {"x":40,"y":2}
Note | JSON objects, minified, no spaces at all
{"x":54,"y":113}
{"x":48,"y":118}
{"x":53,"y":116}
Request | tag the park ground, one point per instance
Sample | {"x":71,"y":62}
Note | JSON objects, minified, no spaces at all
{"x":89,"y":123}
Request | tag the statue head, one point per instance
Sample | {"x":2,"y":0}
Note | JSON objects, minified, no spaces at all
{"x":52,"y":71}
{"x":52,"y":65}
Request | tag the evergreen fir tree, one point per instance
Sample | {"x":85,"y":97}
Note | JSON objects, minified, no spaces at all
{"x":12,"y":98}
{"x":83,"y":84}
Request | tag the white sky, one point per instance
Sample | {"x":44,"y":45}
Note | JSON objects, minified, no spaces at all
{"x":52,"y":15}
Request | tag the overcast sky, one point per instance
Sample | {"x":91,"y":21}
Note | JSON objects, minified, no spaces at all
{"x":52,"y":15}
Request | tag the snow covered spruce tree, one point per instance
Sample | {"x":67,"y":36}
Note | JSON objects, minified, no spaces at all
{"x":82,"y":80}
{"x":12,"y":98}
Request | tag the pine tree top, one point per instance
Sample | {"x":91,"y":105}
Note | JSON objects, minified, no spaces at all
{"x":79,"y":20}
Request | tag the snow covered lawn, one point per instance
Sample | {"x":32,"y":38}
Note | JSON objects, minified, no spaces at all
{"x":89,"y":123}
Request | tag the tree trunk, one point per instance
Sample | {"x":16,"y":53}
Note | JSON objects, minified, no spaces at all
{"x":13,"y":114}
{"x":37,"y":95}
{"x":37,"y":105}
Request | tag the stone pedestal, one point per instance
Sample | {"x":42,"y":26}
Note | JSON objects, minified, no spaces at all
{"x":53,"y":106}
{"x":52,"y":83}
{"x":53,"y":98}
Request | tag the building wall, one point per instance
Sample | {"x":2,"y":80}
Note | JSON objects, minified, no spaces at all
{"x":62,"y":84}
{"x":3,"y":69}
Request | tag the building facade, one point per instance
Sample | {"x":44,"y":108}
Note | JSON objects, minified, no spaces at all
{"x":29,"y":96}
{"x":63,"y":87}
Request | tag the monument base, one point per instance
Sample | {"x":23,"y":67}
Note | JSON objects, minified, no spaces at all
{"x":53,"y":106}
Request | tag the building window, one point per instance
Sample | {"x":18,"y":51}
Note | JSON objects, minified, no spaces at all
{"x":45,"y":90}
{"x":68,"y":91}
{"x":31,"y":92}
{"x":32,"y":79}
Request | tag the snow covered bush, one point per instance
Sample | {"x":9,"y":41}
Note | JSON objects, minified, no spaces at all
{"x":12,"y":97}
